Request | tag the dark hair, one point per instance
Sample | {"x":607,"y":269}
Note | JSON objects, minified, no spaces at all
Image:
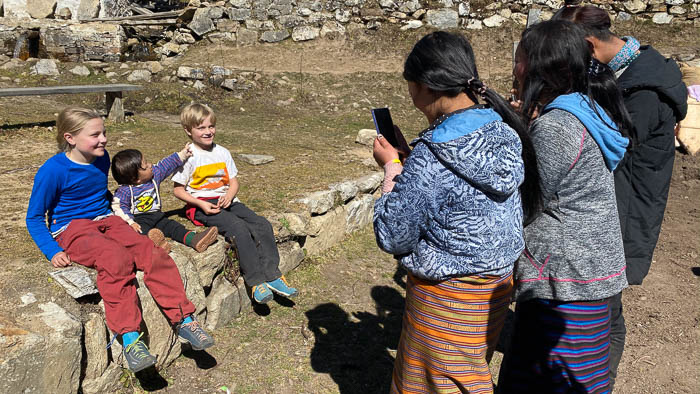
{"x":594,"y":20}
{"x":554,"y":58}
{"x":444,"y":62}
{"x":126,"y":165}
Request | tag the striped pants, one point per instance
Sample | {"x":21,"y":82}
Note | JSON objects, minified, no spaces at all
{"x":558,"y":347}
{"x":449,"y":328}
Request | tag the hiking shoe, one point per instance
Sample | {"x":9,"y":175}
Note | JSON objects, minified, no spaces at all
{"x":159,"y":239}
{"x":137,"y":356}
{"x":193,"y":334}
{"x":262,"y":293}
{"x":281,"y":287}
{"x":202,"y":240}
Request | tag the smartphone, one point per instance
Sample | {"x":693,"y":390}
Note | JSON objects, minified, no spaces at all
{"x":384,"y":125}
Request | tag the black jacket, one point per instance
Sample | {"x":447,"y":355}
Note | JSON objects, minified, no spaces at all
{"x":655,"y":97}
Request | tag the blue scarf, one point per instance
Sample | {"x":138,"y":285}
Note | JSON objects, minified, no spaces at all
{"x":626,"y":55}
{"x":599,"y":125}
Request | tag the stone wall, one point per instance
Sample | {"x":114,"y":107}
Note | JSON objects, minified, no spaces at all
{"x":247,"y":22}
{"x":78,"y":356}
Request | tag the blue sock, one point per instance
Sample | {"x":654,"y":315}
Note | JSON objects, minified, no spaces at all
{"x":129,"y":337}
{"x":186,"y":320}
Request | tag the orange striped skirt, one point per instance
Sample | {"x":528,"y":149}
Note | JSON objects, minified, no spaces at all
{"x":448,"y":329}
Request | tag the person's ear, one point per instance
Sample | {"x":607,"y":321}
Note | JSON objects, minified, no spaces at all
{"x":187,"y":131}
{"x":69,"y":138}
{"x":594,"y":45}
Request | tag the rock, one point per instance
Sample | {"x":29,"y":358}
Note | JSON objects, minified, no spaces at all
{"x":107,"y":383}
{"x":80,"y":70}
{"x":677,"y":10}
{"x":230,"y":84}
{"x":199,"y":85}
{"x":88,"y":9}
{"x":44,"y":67}
{"x":369,"y":183}
{"x":201,"y":22}
{"x":412,"y":24}
{"x":256,"y":160}
{"x":28,"y":299}
{"x":12,"y":63}
{"x":40,"y":9}
{"x":225,"y":302}
{"x":305,"y":33}
{"x":674,"y":2}
{"x":366,"y":137}
{"x":183,"y":38}
{"x":332,"y":30}
{"x":410,"y":7}
{"x":111,"y":75}
{"x":291,"y":255}
{"x":662,"y":18}
{"x":15,"y":9}
{"x":63,"y":13}
{"x":329,"y":230}
{"x":207,"y":263}
{"x":635,"y":6}
{"x":72,"y":5}
{"x":139,"y":75}
{"x":347,"y":190}
{"x":294,"y":223}
{"x":463,"y":9}
{"x":184,"y":72}
{"x":274,"y":35}
{"x":494,"y":21}
{"x":96,"y":339}
{"x":474,"y":24}
{"x":236,"y":14}
{"x":153,"y":67}
{"x":359,"y":213}
{"x":320,"y":202}
{"x":215,"y":12}
{"x":76,"y":280}
{"x":246,"y":37}
{"x":43,"y":354}
{"x":623,"y":17}
{"x":219,"y":70}
{"x":442,"y":19}
{"x":342,"y":16}
{"x":389,"y":4}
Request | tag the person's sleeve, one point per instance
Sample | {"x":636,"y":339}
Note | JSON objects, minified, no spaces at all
{"x":183,"y":173}
{"x":166,"y":167}
{"x":643,"y":108}
{"x":44,"y":195}
{"x":557,"y":146}
{"x":400,"y":216}
{"x":231,"y":166}
{"x":121,"y":205}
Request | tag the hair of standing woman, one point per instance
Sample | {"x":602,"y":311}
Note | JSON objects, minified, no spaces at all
{"x":444,"y":62}
{"x":72,"y":120}
{"x":594,"y":20}
{"x":553,"y":59}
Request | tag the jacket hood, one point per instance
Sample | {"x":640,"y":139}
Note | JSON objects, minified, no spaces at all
{"x":650,"y":70}
{"x":479,"y":147}
{"x":599,"y":125}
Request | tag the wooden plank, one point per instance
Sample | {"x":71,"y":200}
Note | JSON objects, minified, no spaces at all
{"x":141,"y":10}
{"x":153,"y":22}
{"x":155,"y":15}
{"x":115,"y":107}
{"x":9,"y":92}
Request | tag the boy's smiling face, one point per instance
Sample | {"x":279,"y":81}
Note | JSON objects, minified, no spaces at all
{"x":203,"y":134}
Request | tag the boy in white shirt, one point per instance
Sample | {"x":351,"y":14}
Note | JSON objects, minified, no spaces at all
{"x":207,"y":182}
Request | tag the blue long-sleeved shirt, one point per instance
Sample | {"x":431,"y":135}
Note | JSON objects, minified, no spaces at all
{"x":65,"y":190}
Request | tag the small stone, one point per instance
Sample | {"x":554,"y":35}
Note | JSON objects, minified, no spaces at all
{"x":474,"y":24}
{"x":366,"y":137}
{"x":274,"y":35}
{"x":153,"y":66}
{"x":662,"y":18}
{"x":80,"y":70}
{"x":44,"y":67}
{"x":412,"y":24}
{"x":76,"y":281}
{"x":623,"y":16}
{"x":184,"y":72}
{"x":463,"y":9}
{"x":183,"y":38}
{"x":635,"y":6}
{"x":256,"y":160}
{"x":199,"y":85}
{"x":442,"y":19}
{"x":305,"y":33}
{"x":111,"y":75}
{"x":139,"y":75}
{"x":229,"y":84}
{"x":27,"y":299}
{"x":494,"y":21}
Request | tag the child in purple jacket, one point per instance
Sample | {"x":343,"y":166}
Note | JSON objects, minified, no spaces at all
{"x":138,"y":202}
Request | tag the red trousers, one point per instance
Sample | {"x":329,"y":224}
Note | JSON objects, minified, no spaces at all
{"x":116,"y":251}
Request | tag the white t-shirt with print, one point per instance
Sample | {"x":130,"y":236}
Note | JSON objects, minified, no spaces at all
{"x":207,"y":173}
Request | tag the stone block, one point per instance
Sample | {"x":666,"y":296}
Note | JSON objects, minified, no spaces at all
{"x":662,"y":18}
{"x":207,"y":263}
{"x":359,"y":213}
{"x":274,"y":35}
{"x":40,"y":9}
{"x":80,"y":71}
{"x":320,"y":202}
{"x":332,"y":30}
{"x":291,"y":255}
{"x":494,"y":21}
{"x":88,"y":9}
{"x":75,"y":280}
{"x":412,"y":24}
{"x":246,"y":37}
{"x":238,"y":14}
{"x":305,"y":33}
{"x":191,"y":73}
{"x":72,"y":5}
{"x":15,"y":9}
{"x":139,"y":76}
{"x":442,"y":19}
{"x":96,"y":339}
{"x":107,"y":383}
{"x":346,"y":190}
{"x":201,"y":23}
{"x":256,"y":160}
{"x":635,"y":6}
{"x":330,"y":230}
{"x":367,"y":136}
{"x":370,"y":183}
{"x":225,"y":302}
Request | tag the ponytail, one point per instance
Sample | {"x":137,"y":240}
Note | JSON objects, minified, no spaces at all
{"x":603,"y":88}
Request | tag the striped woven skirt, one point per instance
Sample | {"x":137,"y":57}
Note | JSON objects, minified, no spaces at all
{"x":448,"y":329}
{"x":558,"y":347}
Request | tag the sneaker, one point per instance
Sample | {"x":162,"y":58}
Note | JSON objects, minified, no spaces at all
{"x":137,"y":356}
{"x":202,"y":240}
{"x":159,"y":239}
{"x":262,"y":293}
{"x":281,"y":287}
{"x":193,"y":334}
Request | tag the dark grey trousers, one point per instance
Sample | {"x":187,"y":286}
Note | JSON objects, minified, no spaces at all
{"x":618,"y":331}
{"x":255,"y":241}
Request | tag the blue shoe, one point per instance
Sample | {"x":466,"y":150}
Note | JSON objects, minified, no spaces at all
{"x":281,"y":287}
{"x":262,"y":293}
{"x":193,"y":334}
{"x":137,"y":356}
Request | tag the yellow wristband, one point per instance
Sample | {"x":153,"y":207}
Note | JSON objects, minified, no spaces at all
{"x":396,"y":161}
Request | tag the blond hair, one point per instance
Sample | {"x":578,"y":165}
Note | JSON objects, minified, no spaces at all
{"x":195,"y":114}
{"x":72,"y":120}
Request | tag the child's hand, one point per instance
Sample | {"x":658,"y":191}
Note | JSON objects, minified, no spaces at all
{"x":224,"y":201}
{"x":60,"y":260}
{"x":186,"y":152}
{"x":136,"y":227}
{"x":209,"y":208}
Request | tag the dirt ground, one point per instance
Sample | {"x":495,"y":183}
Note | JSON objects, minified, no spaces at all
{"x":305,"y":109}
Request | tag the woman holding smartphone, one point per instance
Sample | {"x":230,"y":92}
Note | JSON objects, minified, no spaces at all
{"x":453,"y":215}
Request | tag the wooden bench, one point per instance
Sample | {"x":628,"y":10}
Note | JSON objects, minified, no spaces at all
{"x":113,"y":95}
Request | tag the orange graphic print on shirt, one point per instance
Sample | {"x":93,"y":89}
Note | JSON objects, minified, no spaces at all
{"x":210,"y":176}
